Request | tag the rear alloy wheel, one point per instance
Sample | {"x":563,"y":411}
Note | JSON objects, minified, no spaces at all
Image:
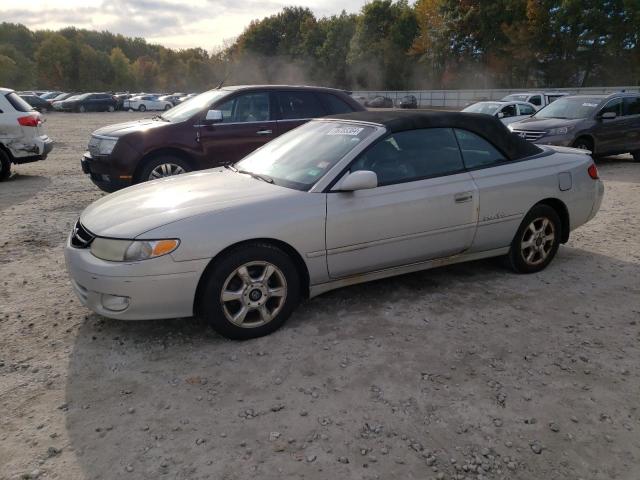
{"x":537,"y":240}
{"x":142,"y":108}
{"x":163,"y":166}
{"x":5,"y":166}
{"x":250,"y":292}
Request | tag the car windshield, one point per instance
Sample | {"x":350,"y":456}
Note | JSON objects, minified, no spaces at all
{"x":81,"y":97}
{"x":62,"y":96}
{"x":18,"y":102}
{"x":190,"y":107}
{"x":483,"y":107}
{"x":299,"y":158}
{"x":515,"y":98}
{"x":570,"y":108}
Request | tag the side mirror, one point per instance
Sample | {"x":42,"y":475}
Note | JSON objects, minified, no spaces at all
{"x":500,"y":115}
{"x":358,"y":180}
{"x":608,"y":115}
{"x":213,"y":116}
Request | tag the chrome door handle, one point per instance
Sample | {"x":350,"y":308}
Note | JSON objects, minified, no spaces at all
{"x":264,"y":132}
{"x":463,"y":197}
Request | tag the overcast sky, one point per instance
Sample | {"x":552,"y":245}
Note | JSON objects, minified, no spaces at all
{"x":173,"y":23}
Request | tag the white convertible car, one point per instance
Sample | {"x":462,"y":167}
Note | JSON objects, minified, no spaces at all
{"x":337,"y":201}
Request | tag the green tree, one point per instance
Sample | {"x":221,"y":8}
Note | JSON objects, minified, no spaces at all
{"x":53,"y":61}
{"x":123,"y":78}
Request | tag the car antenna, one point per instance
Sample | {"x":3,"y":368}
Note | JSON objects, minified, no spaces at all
{"x":223,"y":80}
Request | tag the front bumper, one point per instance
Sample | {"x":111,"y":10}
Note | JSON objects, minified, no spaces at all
{"x":560,"y":140}
{"x":101,"y":173}
{"x":156,"y":289}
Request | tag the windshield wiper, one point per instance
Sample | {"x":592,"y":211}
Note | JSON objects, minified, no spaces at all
{"x":264,"y":178}
{"x":231,"y":167}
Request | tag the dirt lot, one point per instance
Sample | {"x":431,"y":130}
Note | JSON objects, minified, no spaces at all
{"x":466,"y":372}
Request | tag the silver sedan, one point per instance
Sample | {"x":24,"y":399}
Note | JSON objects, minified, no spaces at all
{"x":335,"y":202}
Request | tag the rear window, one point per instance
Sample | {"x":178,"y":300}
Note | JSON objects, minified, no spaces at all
{"x":18,"y":103}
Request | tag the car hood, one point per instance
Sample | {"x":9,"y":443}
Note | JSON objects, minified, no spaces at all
{"x":135,"y":210}
{"x":120,"y":129}
{"x":545,"y":124}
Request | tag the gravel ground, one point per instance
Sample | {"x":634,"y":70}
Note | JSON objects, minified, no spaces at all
{"x":468,"y":371}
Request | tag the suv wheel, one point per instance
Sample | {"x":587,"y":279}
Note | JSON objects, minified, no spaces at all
{"x":142,"y":108}
{"x":5,"y":166}
{"x":583,"y":144}
{"x":163,"y":166}
{"x":537,"y":240}
{"x":111,"y":108}
{"x":82,"y":109}
{"x":636,"y":155}
{"x":167,"y":107}
{"x":250,"y":292}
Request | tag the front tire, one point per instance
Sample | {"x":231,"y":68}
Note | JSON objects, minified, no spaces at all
{"x":5,"y":166}
{"x":82,"y":109}
{"x":250,"y":292}
{"x":142,"y":108}
{"x":111,"y":108}
{"x":167,"y":107}
{"x":163,"y":166}
{"x":583,"y":144}
{"x":537,"y":240}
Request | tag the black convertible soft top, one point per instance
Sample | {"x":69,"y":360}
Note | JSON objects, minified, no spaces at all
{"x":487,"y":126}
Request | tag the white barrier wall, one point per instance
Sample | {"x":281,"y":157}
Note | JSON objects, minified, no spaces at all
{"x":462,"y":98}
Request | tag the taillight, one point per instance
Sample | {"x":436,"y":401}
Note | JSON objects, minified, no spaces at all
{"x":30,"y":121}
{"x":593,"y":171}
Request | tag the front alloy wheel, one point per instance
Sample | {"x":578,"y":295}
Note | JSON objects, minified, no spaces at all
{"x":166,"y":170}
{"x":249,"y":292}
{"x":253,"y":294}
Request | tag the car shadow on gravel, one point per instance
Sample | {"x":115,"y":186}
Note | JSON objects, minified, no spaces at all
{"x":18,"y":188}
{"x":423,"y":355}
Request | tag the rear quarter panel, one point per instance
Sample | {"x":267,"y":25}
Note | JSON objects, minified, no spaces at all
{"x":509,"y":191}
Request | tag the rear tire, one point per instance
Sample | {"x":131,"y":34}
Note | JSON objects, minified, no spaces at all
{"x":167,"y":107}
{"x":142,"y":108}
{"x":111,"y":108}
{"x":537,"y":240}
{"x":5,"y":166}
{"x":239,"y":302}
{"x":82,"y":109}
{"x":163,"y":166}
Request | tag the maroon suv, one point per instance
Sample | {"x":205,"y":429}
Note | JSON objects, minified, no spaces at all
{"x":215,"y":128}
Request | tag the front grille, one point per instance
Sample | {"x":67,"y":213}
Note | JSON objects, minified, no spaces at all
{"x":530,"y":135}
{"x":93,"y":146}
{"x":81,"y":237}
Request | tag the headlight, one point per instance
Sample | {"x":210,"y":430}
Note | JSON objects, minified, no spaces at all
{"x":558,"y":131}
{"x":106,"y":145}
{"x":115,"y":250}
{"x":510,"y":127}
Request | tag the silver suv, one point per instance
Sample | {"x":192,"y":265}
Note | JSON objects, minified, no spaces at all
{"x":22,"y":137}
{"x":602,"y":124}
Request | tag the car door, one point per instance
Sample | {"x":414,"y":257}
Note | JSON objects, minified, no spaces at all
{"x":631,"y":114}
{"x":504,"y":190}
{"x":246,"y":125}
{"x":296,"y":107}
{"x":424,"y":207}
{"x":610,"y":134}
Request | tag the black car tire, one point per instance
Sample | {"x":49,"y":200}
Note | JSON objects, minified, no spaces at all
{"x":210,"y":306}
{"x":111,"y":108}
{"x":167,"y":107}
{"x":82,"y":109}
{"x":142,"y":108}
{"x":583,"y":144}
{"x":5,"y":166}
{"x":516,"y":257}
{"x":154,"y":162}
{"x":636,"y":155}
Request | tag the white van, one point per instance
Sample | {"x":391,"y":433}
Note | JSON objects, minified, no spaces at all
{"x":22,"y":136}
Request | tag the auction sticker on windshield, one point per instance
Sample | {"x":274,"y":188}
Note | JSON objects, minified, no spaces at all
{"x":352,"y":131}
{"x":589,"y":104}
